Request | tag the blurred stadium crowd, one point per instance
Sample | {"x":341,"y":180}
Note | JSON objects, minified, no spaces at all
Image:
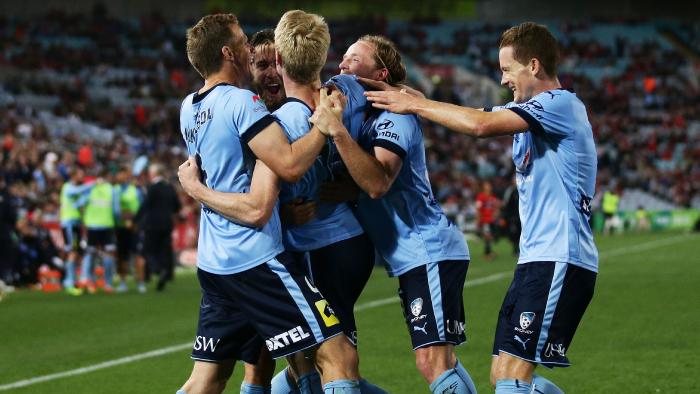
{"x":95,"y":92}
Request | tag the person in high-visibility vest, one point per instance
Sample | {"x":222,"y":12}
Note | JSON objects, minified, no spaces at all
{"x":71,"y":225}
{"x":130,"y":199}
{"x":611,"y":200}
{"x":100,"y":217}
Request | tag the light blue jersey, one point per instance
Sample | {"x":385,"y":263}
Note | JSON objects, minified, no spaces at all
{"x":333,"y":222}
{"x":407,"y":225}
{"x":556,"y":165}
{"x":216,"y":126}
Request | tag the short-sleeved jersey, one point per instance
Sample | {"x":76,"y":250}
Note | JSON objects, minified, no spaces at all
{"x":556,"y":165}
{"x":216,"y":126}
{"x":407,"y":225}
{"x":333,"y":222}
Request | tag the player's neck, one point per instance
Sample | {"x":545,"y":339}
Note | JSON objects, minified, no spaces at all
{"x":545,"y":85}
{"x":223,"y":76}
{"x":305,"y":92}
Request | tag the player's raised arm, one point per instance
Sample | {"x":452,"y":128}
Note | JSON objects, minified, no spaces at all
{"x":288,"y":161}
{"x":253,"y":208}
{"x":465,"y":120}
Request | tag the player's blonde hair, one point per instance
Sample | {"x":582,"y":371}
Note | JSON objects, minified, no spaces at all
{"x":302,"y":42}
{"x":386,"y":55}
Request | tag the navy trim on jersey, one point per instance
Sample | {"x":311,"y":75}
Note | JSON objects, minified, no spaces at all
{"x":257,"y":127}
{"x":296,"y":100}
{"x":488,"y":109}
{"x":390,"y":146}
{"x":535,"y":125}
{"x":200,"y":96}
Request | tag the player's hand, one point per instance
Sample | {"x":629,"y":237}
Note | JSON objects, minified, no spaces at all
{"x":383,"y":86}
{"x":188,"y":173}
{"x":297,"y":212}
{"x":329,"y":113}
{"x":400,"y":102}
{"x":335,"y":101}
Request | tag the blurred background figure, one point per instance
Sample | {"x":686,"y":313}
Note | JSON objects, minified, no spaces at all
{"x":157,"y":217}
{"x":8,"y":219}
{"x":130,"y":198}
{"x":510,"y":217}
{"x":102,"y":210}
{"x":611,"y":200}
{"x":487,"y":206}
{"x":72,"y":226}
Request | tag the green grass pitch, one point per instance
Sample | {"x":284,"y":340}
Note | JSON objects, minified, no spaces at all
{"x":640,"y":334}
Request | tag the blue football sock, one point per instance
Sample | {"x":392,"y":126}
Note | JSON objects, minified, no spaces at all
{"x":512,"y":386}
{"x":544,"y":386}
{"x":181,"y":392}
{"x":247,"y":388}
{"x":342,"y":387}
{"x":108,"y":264}
{"x":310,"y":383}
{"x":69,"y":280}
{"x":368,"y":388}
{"x":87,"y":267}
{"x":464,"y":375}
{"x":282,"y":384}
{"x":449,"y":382}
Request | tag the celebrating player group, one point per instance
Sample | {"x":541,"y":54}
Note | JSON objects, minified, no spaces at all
{"x":304,"y":183}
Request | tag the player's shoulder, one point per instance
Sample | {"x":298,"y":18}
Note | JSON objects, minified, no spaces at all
{"x":555,"y":99}
{"x":407,"y":124}
{"x":293,"y":108}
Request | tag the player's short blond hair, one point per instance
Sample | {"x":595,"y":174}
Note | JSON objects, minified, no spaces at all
{"x":302,"y":42}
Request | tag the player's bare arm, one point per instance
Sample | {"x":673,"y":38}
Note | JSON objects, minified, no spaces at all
{"x":288,"y":161}
{"x":373,"y":174}
{"x":251,"y":209}
{"x":464,"y":120}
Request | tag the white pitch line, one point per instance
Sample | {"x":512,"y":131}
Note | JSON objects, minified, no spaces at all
{"x":368,"y":305}
{"x":106,"y":364}
{"x":469,"y":283}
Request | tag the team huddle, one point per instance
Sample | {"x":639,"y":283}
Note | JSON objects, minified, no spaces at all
{"x":305,"y":183}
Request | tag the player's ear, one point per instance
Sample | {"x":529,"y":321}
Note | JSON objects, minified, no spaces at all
{"x":226,"y":52}
{"x":535,"y":66}
{"x":278,"y":59}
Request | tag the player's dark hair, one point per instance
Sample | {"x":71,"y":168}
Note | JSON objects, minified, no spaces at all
{"x":531,"y":40}
{"x":263,"y":37}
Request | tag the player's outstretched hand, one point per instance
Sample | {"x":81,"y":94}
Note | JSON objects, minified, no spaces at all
{"x":400,"y":102}
{"x":383,"y":86}
{"x":189,"y":174}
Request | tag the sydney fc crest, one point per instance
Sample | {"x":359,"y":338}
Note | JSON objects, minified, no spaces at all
{"x":417,"y":306}
{"x":526,"y":318}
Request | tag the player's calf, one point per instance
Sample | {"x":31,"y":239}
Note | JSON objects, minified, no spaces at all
{"x":338,"y":361}
{"x":208,"y":378}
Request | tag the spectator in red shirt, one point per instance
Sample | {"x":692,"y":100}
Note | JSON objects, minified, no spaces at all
{"x":487,"y":207}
